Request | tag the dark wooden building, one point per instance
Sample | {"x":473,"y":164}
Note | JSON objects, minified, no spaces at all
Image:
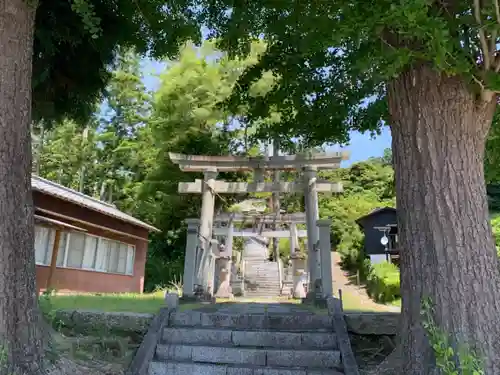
{"x":374,"y":225}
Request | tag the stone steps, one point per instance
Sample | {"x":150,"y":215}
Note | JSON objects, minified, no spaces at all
{"x":204,"y":343}
{"x":218,"y":337}
{"x":255,"y":291}
{"x":311,"y":358}
{"x":261,"y":276}
{"x":190,"y":368}
{"x":297,"y":322}
{"x":264,"y":277}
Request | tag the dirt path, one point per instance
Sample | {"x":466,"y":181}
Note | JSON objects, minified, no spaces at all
{"x":354,"y":296}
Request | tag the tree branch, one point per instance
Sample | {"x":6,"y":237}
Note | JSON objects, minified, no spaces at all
{"x":482,"y":36}
{"x":497,"y":10}
{"x":494,"y":37}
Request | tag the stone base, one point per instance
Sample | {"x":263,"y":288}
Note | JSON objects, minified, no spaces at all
{"x":188,"y":299}
{"x":313,"y":299}
{"x":320,"y":303}
{"x":309,"y":299}
{"x":225,"y":290}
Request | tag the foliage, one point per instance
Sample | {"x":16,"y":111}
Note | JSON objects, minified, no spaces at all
{"x":492,"y":156}
{"x":285,"y":249}
{"x":383,"y":282}
{"x":449,"y":360}
{"x":493,"y":191}
{"x":495,"y":226}
{"x":76,"y":43}
{"x":333,"y":59}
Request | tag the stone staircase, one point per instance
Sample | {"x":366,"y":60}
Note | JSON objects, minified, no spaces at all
{"x":246,"y":343}
{"x":261,"y":276}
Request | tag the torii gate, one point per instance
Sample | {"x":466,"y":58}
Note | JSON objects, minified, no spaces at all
{"x":208,"y":187}
{"x":193,"y":259}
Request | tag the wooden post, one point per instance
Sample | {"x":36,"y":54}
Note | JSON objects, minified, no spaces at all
{"x":53,"y":260}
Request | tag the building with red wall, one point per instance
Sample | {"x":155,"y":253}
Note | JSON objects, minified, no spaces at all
{"x":85,"y":245}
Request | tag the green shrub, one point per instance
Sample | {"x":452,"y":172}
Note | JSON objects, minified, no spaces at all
{"x":383,"y":283}
{"x":450,"y":360}
{"x":495,"y":227}
{"x":350,"y":249}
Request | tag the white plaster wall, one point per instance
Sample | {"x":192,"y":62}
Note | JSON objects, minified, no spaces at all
{"x":378,"y":258}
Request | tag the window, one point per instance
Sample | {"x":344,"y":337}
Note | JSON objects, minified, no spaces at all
{"x":76,"y":250}
{"x":114,"y":257}
{"x":89,"y":253}
{"x":102,"y":255}
{"x":84,"y":251}
{"x":42,"y":236}
{"x":61,"y":252}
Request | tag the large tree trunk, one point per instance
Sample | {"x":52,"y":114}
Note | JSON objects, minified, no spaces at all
{"x":439,"y":130}
{"x":20,"y":333}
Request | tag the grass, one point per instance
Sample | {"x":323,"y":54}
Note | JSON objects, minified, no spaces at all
{"x":152,"y":302}
{"x":119,"y":302}
{"x":396,"y":303}
{"x":351,"y":302}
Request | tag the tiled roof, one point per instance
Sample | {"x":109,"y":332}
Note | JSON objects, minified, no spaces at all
{"x":51,"y":188}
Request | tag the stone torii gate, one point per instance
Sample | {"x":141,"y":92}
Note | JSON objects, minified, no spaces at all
{"x":224,"y":227}
{"x":209,"y":186}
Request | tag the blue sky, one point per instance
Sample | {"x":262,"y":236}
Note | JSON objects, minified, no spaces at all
{"x":362,"y":146}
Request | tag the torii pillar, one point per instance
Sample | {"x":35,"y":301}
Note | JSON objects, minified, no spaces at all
{"x":190,"y":258}
{"x":206,"y":225}
{"x":312,"y":215}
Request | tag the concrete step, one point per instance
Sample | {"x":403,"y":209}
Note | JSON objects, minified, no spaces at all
{"x":314,"y":358}
{"x":241,"y":338}
{"x":272,"y":270}
{"x":252,"y":286}
{"x":301,"y":322}
{"x":262,"y":284}
{"x":189,"y":368}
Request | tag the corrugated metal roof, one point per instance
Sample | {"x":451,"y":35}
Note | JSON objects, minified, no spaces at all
{"x":373,"y":212}
{"x":51,"y":188}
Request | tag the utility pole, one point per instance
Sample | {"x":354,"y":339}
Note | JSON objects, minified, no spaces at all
{"x":276,"y":197}
{"x":85,"y":135}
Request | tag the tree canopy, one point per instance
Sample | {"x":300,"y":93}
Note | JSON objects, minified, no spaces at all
{"x":76,"y":44}
{"x":334,"y":58}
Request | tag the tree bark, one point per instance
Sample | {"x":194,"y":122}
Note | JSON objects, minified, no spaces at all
{"x":20,"y":328}
{"x":439,"y":130}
